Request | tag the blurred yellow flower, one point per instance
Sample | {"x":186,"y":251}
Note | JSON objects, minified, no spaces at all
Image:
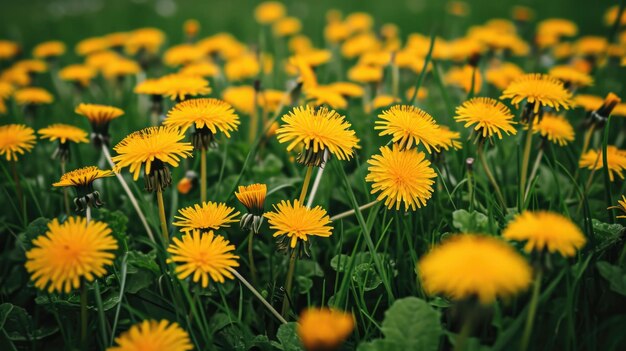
{"x":324,"y":328}
{"x":555,"y":128}
{"x":151,"y":335}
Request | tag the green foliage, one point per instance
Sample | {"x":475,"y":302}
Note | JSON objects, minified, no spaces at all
{"x":409,"y":324}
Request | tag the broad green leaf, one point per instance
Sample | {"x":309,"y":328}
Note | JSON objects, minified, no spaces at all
{"x":288,"y":337}
{"x":470,"y":222}
{"x":615,"y":276}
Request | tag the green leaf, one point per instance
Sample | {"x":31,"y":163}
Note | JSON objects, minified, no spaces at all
{"x":288,"y":337}
{"x":470,"y":222}
{"x":304,"y":284}
{"x":36,"y":228}
{"x":606,"y":235}
{"x":615,"y":276}
{"x":366,"y":277}
{"x":409,"y":324}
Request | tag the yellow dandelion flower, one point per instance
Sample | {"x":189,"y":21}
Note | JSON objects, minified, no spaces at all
{"x":502,"y":75}
{"x":100,"y":59}
{"x":457,"y":8}
{"x":209,"y":215}
{"x":621,"y":206}
{"x":202,"y":69}
{"x":347,"y":89}
{"x":616,"y":158}
{"x":323,"y":95}
{"x":6,"y":90}
{"x":145,"y":39}
{"x":32,"y":66}
{"x":119,"y":68}
{"x":8,"y":49}
{"x":182,"y":54}
{"x":99,"y":116}
{"x":315,"y":57}
{"x":16,"y":76}
{"x":300,"y":44}
{"x":252,"y":197}
{"x":336,"y":32}
{"x":240,"y":97}
{"x":588,"y":102}
{"x":360,"y":44}
{"x":16,"y":139}
{"x":78,"y":73}
{"x":489,"y":115}
{"x":153,"y":86}
{"x":158,"y":145}
{"x":544,"y":230}
{"x":298,"y":221}
{"x":91,"y":45}
{"x":401,"y":177}
{"x":464,"y":77}
{"x":269,"y":12}
{"x":69,"y":252}
{"x":210,"y":114}
{"x":151,"y":335}
{"x":359,"y":22}
{"x":63,"y":133}
{"x":243,"y":67}
{"x":116,"y":39}
{"x":469,"y":265}
{"x":422,"y":93}
{"x":49,"y":49}
{"x":82,"y":177}
{"x":555,"y":128}
{"x":449,"y":138}
{"x":591,"y":45}
{"x":324,"y":328}
{"x":191,"y":27}
{"x":384,"y":100}
{"x":319,"y":130}
{"x":409,"y":125}
{"x":375,"y":58}
{"x":538,"y":90}
{"x":522,"y":13}
{"x":287,"y":26}
{"x":365,"y":74}
{"x":571,"y":76}
{"x":178,"y":86}
{"x":204,"y":255}
{"x":557,"y":27}
{"x":33,"y":96}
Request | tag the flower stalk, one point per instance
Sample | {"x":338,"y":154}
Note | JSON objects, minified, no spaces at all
{"x":532,"y":309}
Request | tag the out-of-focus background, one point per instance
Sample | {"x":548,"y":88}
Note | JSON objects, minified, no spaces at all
{"x":34,"y":21}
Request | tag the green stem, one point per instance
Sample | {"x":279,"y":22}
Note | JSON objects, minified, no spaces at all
{"x":289,"y":280}
{"x":533,"y":173}
{"x":530,"y":319}
{"x":305,"y":184}
{"x":461,"y":338}
{"x":605,"y":172}
{"x":83,"y":315}
{"x":526,"y":159}
{"x":587,"y":139}
{"x":490,"y":176}
{"x":66,"y":197}
{"x":18,"y":185}
{"x":203,"y":180}
{"x":159,"y":194}
{"x":251,"y":258}
{"x":352,"y":211}
{"x":258,"y":296}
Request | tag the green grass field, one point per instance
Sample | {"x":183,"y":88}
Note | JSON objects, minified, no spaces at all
{"x":554,"y":282}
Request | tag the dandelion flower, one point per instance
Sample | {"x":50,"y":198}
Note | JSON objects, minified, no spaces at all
{"x":464,"y":77}
{"x":178,"y":86}
{"x":182,"y":54}
{"x":555,"y":128}
{"x":203,"y":255}
{"x":82,"y":181}
{"x":616,"y":158}
{"x":319,"y":130}
{"x":200,"y":69}
{"x":269,"y":12}
{"x":538,"y":90}
{"x":322,"y":95}
{"x":151,"y":335}
{"x":208,"y":116}
{"x":449,"y":138}
{"x":81,"y":74}
{"x":588,"y":102}
{"x":32,"y":66}
{"x":155,"y":147}
{"x":401,"y":177}
{"x":144,"y":40}
{"x":502,"y":75}
{"x":287,"y":26}
{"x":383,"y":100}
{"x":324,"y":328}
{"x":409,"y":125}
{"x":365,"y":74}
{"x":63,"y":133}
{"x":8,"y":49}
{"x":33,"y":96}
{"x":544,"y":230}
{"x":296,"y":221}
{"x":347,"y":89}
{"x":468,"y":265}
{"x":49,"y":49}
{"x":621,"y":206}
{"x":119,"y":68}
{"x":69,"y":252}
{"x":99,"y":116}
{"x":253,"y":198}
{"x":91,"y":45}
{"x":240,"y":97}
{"x":191,"y":27}
{"x":16,"y":139}
{"x":571,"y":76}
{"x":210,"y":215}
{"x":242,"y":67}
{"x":490,"y":117}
